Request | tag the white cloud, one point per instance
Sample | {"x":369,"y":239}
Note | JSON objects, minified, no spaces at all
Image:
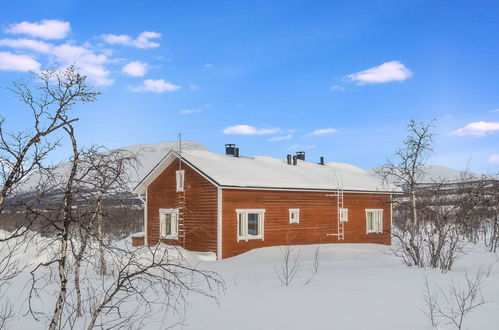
{"x":14,"y":62}
{"x":281,"y":138}
{"x":142,"y":41}
{"x":337,"y":88}
{"x":86,"y":59}
{"x":193,"y":87}
{"x":323,"y":131}
{"x":46,"y":29}
{"x":478,"y":128}
{"x":386,"y":72}
{"x":494,"y":159}
{"x":156,"y":86}
{"x":249,"y":130}
{"x":190,"y":111}
{"x":208,"y":65}
{"x":34,"y":45}
{"x":494,"y":110}
{"x":135,"y":68}
{"x":196,"y":110}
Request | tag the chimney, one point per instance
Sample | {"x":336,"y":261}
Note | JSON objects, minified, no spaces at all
{"x":322,"y":160}
{"x":230,"y":149}
{"x":289,"y":159}
{"x":295,"y":160}
{"x":300,"y":155}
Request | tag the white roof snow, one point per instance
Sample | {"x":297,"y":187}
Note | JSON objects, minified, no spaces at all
{"x":269,"y":172}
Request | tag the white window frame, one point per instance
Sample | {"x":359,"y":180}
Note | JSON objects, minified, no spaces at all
{"x":243,"y":235}
{"x":377,"y":221}
{"x":180,"y":178}
{"x":343,"y":215}
{"x":174,"y":223}
{"x":296,"y":217}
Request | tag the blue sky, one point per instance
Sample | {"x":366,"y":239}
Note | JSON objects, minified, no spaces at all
{"x":336,"y":79}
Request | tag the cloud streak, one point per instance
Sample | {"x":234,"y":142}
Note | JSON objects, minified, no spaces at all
{"x":323,"y":131}
{"x":135,"y":69}
{"x":45,"y":29}
{"x":281,"y":138}
{"x":156,"y":86}
{"x":249,"y":130}
{"x":88,"y":61}
{"x":478,"y":128}
{"x":15,"y":62}
{"x":494,"y":159}
{"x":386,"y":72}
{"x":142,"y":41}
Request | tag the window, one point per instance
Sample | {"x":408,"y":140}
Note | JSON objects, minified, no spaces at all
{"x":374,"y":221}
{"x":250,"y":224}
{"x":344,"y":215}
{"x":180,"y":180}
{"x":168,"y":223}
{"x":294,"y":215}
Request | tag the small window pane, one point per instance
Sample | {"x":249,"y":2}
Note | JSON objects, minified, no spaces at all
{"x":253,"y":224}
{"x":241,"y":224}
{"x":370,"y":220}
{"x":168,"y":224}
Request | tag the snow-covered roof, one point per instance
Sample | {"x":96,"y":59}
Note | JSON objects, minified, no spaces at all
{"x":269,"y":172}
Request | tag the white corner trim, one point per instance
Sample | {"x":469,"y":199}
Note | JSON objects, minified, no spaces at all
{"x":219,"y":223}
{"x":391,"y":213}
{"x":146,"y":223}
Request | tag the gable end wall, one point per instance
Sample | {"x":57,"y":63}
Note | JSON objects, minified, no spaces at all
{"x":200,"y":218}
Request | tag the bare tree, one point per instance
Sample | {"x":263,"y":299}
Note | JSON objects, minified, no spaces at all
{"x":407,"y":167}
{"x":290,"y":261}
{"x":136,"y":279}
{"x":455,"y":302}
{"x":430,"y":303}
{"x":23,"y":153}
{"x":315,"y":265}
{"x":406,"y":170}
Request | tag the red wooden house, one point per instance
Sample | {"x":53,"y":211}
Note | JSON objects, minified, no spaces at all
{"x":229,"y":204}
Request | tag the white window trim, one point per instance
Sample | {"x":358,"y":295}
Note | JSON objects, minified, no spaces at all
{"x":344,"y":214}
{"x":174,"y":234}
{"x":179,"y":179}
{"x":380,"y":226}
{"x":261,"y":222}
{"x":297,"y":212}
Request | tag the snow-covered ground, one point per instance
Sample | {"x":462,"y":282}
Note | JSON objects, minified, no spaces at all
{"x":358,"y":286}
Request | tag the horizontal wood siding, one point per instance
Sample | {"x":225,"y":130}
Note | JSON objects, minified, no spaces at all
{"x":318,"y":217}
{"x":200,"y":218}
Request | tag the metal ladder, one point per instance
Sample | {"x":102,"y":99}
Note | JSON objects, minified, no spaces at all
{"x":339,"y":204}
{"x":181,"y":217}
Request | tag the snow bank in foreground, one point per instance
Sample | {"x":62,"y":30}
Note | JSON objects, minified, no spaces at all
{"x":358,"y":286}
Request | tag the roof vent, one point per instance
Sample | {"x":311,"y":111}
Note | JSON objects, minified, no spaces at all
{"x":230,"y":150}
{"x":289,"y":159}
{"x":321,"y":162}
{"x":295,"y":160}
{"x":300,"y":155}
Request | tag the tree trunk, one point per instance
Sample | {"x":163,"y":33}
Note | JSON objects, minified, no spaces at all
{"x":66,"y":222}
{"x":102,"y":257}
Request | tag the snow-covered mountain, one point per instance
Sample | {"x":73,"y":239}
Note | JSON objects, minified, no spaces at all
{"x":441,"y":173}
{"x":148,"y":155}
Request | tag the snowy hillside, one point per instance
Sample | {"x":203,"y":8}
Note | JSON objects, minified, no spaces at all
{"x":439,"y":173}
{"x":148,"y":155}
